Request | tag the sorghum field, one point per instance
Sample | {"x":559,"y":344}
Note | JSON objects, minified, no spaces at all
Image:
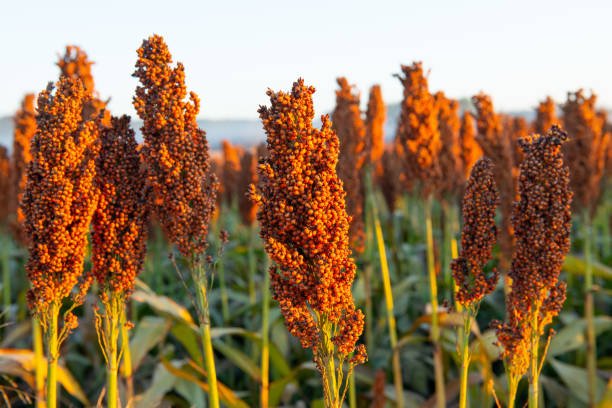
{"x":465,"y":261}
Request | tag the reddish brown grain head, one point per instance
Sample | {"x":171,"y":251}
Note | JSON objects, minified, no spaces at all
{"x":351,"y":132}
{"x":378,"y":390}
{"x":479,"y":234}
{"x":418,"y":131}
{"x":76,"y":64}
{"x":246,"y":177}
{"x":546,"y":116}
{"x":5,"y":180}
{"x":304,"y":223}
{"x":375,"y":125}
{"x":25,"y":128}
{"x":451,"y":180}
{"x":542,"y":223}
{"x":230,"y":171}
{"x":175,"y":150}
{"x":60,"y":197}
{"x":586,"y":150}
{"x":470,"y":149}
{"x":497,"y":145}
{"x":389,"y":178}
{"x":120,"y":222}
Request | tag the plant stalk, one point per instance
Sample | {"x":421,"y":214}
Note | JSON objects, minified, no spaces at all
{"x":534,"y":369}
{"x":51,"y":339}
{"x":397,"y":369}
{"x":39,"y":364}
{"x":252,"y":263}
{"x":589,"y":309}
{"x":265,"y":341}
{"x":127,"y":364}
{"x":465,"y":357}
{"x":209,"y":358}
{"x":435,"y":330}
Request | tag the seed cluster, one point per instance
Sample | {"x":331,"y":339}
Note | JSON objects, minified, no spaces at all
{"x":546,"y":116}
{"x":175,"y":150}
{"x":5,"y":178}
{"x":451,"y":179}
{"x":59,"y":198}
{"x":305,"y":226}
{"x":479,"y":234}
{"x":375,"y":125}
{"x":542,"y":223}
{"x":351,"y":132}
{"x":418,"y":133}
{"x":497,"y":145}
{"x":230,"y":171}
{"x":76,"y":64}
{"x":246,"y":177}
{"x":25,"y":128}
{"x":120,"y":221}
{"x":389,"y":177}
{"x":470,"y":149}
{"x":586,"y":150}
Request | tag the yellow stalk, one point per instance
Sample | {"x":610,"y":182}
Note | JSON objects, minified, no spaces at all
{"x":265,"y":340}
{"x":127,"y":362}
{"x":51,"y":338}
{"x":589,"y":309}
{"x":39,"y":364}
{"x":397,"y":369}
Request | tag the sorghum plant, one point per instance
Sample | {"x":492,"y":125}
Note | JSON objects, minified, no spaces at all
{"x":585,"y":152}
{"x":351,"y":132}
{"x":542,"y":223}
{"x":120,"y":225}
{"x":479,"y":234}
{"x":497,"y":145}
{"x":58,"y":204}
{"x":175,"y":152}
{"x":546,"y":116}
{"x":305,"y":227}
{"x":470,"y":149}
{"x":25,"y":128}
{"x":375,"y":127}
{"x":418,"y":137}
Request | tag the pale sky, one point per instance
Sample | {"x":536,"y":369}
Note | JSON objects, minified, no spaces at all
{"x":518,"y":51}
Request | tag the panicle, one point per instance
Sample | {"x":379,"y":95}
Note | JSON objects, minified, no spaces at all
{"x":230,"y":171}
{"x":246,"y":177}
{"x":375,"y":125}
{"x":59,"y":198}
{"x":351,"y":132}
{"x":542,"y":223}
{"x":76,"y":64}
{"x":418,"y":132}
{"x":5,"y":178}
{"x":586,"y":149}
{"x":175,"y":150}
{"x":25,"y":128}
{"x":305,"y":225}
{"x":451,"y":180}
{"x":479,"y":234}
{"x":496,"y":144}
{"x":388,"y":180}
{"x":546,"y":116}
{"x":470,"y":149}
{"x":120,"y":222}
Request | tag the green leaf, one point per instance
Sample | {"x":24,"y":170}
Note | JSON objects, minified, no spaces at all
{"x":190,"y":339}
{"x":572,"y":336}
{"x":163,"y":381}
{"x":150,"y":331}
{"x":240,"y":359}
{"x":161,"y":304}
{"x":575,"y":266}
{"x":576,"y":380}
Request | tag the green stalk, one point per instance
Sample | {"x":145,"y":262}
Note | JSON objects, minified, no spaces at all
{"x":6,"y":283}
{"x":265,"y":340}
{"x":435,"y":330}
{"x":51,"y":339}
{"x":448,"y":235}
{"x":589,"y":310}
{"x":367,"y":268}
{"x":252,"y":263}
{"x":221,"y":272}
{"x":352,"y":392}
{"x":127,"y":363}
{"x":39,"y":364}
{"x":512,"y":388}
{"x":465,"y":356}
{"x":397,"y":369}
{"x":534,"y":369}
{"x":209,"y":358}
